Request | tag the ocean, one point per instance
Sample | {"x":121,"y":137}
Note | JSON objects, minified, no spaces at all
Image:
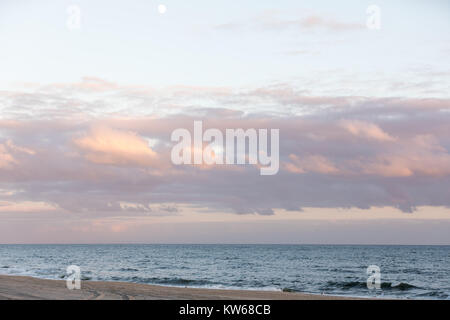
{"x":410,"y":272}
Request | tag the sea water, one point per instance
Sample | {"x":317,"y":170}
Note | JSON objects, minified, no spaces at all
{"x":417,"y":272}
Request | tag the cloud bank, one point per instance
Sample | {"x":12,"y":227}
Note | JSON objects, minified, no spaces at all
{"x":103,"y":149}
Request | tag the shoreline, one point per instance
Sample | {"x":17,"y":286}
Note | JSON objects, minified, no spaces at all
{"x":30,"y":288}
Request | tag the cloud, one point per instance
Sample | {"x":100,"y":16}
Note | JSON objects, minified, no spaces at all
{"x":6,"y":159}
{"x":336,"y":151}
{"x":11,"y":146}
{"x":89,"y":84}
{"x":315,"y":21}
{"x":423,"y":155}
{"x":311,"y":163}
{"x":104,"y":145}
{"x":26,"y":206}
{"x":270,"y":20}
{"x":366,"y":129}
{"x":7,"y":151}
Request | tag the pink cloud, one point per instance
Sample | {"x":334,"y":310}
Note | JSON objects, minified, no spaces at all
{"x":310,"y":163}
{"x":7,"y":149}
{"x":422,"y":155}
{"x":366,"y":129}
{"x":104,"y":145}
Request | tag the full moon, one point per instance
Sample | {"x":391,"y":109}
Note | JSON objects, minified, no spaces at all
{"x":162,"y":9}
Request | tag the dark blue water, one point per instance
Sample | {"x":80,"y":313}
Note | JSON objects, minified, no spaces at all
{"x":419,"y":272}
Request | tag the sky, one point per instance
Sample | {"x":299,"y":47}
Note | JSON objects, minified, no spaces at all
{"x":90,"y":92}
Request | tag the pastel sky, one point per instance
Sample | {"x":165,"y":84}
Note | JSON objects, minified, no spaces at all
{"x":86,"y":115}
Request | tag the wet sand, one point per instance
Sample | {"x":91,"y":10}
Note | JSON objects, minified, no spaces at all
{"x":20,"y":287}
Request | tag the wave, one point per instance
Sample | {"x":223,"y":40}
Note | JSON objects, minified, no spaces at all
{"x":170,"y":281}
{"x":404,"y":286}
{"x":289,"y":290}
{"x":128,"y":269}
{"x":347,"y":285}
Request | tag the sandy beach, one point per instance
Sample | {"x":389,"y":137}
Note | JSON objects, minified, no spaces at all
{"x":20,"y":287}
